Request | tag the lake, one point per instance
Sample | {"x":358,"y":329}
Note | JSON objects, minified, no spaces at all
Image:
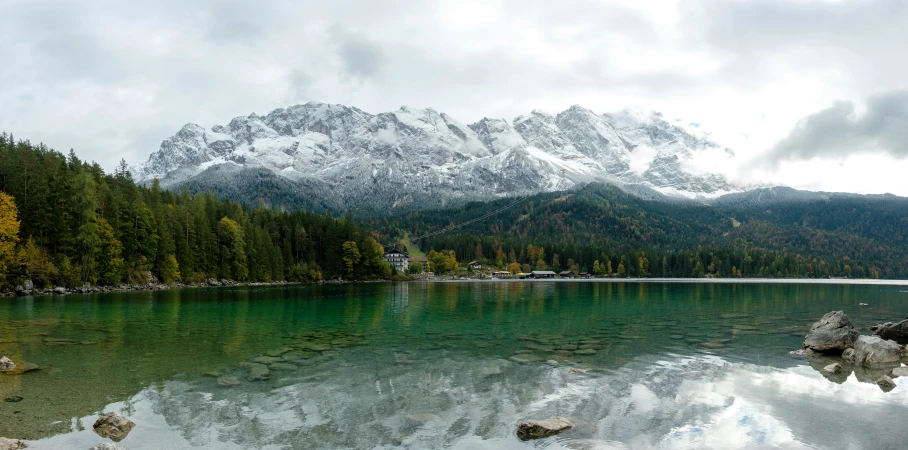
{"x":668,"y":365}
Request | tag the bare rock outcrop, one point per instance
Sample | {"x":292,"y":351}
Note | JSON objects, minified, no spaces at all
{"x":833,"y":333}
{"x":871,"y":351}
{"x":894,"y":331}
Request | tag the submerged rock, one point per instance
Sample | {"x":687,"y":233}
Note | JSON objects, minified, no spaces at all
{"x":871,"y":351}
{"x":258,"y":372}
{"x":421,"y":419}
{"x":897,"y":331}
{"x":13,"y":399}
{"x":109,"y":446}
{"x":829,"y":367}
{"x":900,"y":372}
{"x":282,"y":366}
{"x":6,"y":364}
{"x":848,"y":355}
{"x":525,"y":358}
{"x":886,"y":384}
{"x":11,"y":444}
{"x":537,"y":429}
{"x":113,"y":426}
{"x":833,"y":333}
{"x":228,"y":381}
{"x":802,"y":353}
{"x":267,"y":359}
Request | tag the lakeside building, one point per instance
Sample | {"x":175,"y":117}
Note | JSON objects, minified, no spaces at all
{"x":542,"y":274}
{"x":399,"y":260}
{"x":566,"y":274}
{"x":475,"y":265}
{"x":418,"y":259}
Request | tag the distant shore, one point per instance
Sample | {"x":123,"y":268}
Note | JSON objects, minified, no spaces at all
{"x":163,"y":287}
{"x":684,"y":280}
{"x":228,"y":283}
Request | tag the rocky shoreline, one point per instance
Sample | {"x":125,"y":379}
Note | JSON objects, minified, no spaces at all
{"x":27,"y":289}
{"x":836,"y":349}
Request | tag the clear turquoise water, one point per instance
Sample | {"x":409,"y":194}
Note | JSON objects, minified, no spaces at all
{"x":448,"y":365}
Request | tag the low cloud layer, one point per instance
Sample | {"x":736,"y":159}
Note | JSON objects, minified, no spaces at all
{"x":841,"y":130}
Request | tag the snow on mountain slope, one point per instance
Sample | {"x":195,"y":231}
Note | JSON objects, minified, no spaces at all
{"x":417,"y":158}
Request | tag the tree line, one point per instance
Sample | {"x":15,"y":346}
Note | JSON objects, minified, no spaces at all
{"x":603,"y":230}
{"x":64,"y":221}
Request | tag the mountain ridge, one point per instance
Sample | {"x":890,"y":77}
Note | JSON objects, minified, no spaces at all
{"x":420,"y":158}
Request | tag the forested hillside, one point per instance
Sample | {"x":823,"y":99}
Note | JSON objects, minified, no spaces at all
{"x":603,"y":230}
{"x":64,"y":221}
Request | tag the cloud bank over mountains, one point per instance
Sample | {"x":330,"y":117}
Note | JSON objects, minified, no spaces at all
{"x":841,"y":130}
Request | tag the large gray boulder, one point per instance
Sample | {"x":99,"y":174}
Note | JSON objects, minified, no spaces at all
{"x":537,"y":429}
{"x":871,"y":351}
{"x":113,"y":426}
{"x":11,"y":444}
{"x":895,"y":331}
{"x":833,"y":333}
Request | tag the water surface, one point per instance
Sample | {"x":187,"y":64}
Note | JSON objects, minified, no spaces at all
{"x":448,"y":365}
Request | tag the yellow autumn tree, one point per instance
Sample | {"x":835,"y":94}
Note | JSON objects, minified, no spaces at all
{"x":9,"y":233}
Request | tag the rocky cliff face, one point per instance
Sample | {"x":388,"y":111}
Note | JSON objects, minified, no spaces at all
{"x":418,"y":158}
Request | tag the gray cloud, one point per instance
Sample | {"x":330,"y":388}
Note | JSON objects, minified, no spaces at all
{"x":840,"y":131}
{"x":361,"y":57}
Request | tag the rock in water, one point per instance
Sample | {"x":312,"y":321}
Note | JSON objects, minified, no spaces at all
{"x":6,"y":364}
{"x":833,"y":333}
{"x":258,"y":372}
{"x":897,"y":331}
{"x":833,"y":368}
{"x":848,"y":355}
{"x":11,"y":444}
{"x":109,"y":446}
{"x":537,"y":429}
{"x":886,"y":384}
{"x":900,"y":372}
{"x":113,"y":426}
{"x":228,"y":381}
{"x":871,"y":351}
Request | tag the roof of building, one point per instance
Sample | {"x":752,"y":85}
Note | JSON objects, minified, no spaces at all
{"x":566,"y":272}
{"x":542,"y":272}
{"x":395,"y":252}
{"x":419,"y":259}
{"x":474,"y":262}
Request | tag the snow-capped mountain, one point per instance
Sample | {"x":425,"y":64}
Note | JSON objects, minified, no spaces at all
{"x":415,"y":158}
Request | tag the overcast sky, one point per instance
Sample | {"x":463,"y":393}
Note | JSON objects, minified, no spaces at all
{"x":808,"y":93}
